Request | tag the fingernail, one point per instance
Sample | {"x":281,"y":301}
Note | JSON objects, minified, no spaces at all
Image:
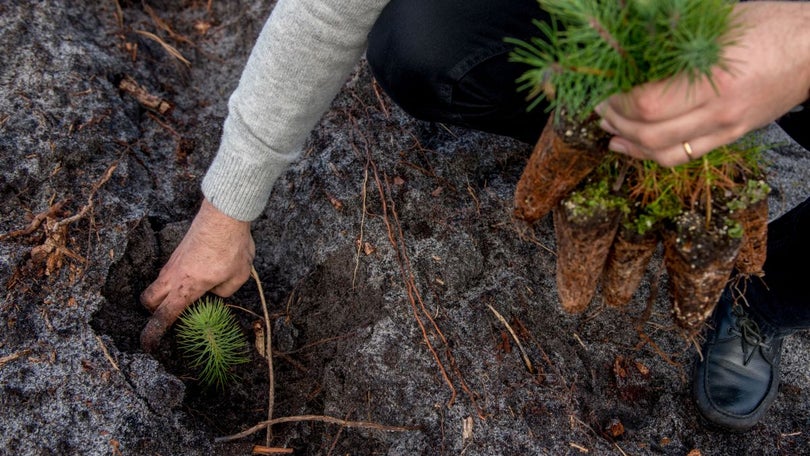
{"x":617,"y":146}
{"x":605,"y":125}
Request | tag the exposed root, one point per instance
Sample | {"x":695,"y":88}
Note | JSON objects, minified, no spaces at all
{"x":52,"y":251}
{"x":52,"y":212}
{"x":9,"y":358}
{"x":427,"y":325}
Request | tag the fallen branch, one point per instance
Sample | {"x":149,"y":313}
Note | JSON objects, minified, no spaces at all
{"x":319,"y":418}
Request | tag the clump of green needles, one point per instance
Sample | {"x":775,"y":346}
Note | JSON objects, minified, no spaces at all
{"x":595,"y":48}
{"x":209,"y":336}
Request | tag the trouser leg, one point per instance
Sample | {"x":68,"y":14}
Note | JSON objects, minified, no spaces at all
{"x":782,"y":296}
{"x":446,"y":61}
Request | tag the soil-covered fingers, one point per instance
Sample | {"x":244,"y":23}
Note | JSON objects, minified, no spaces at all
{"x":161,"y":320}
{"x":152,"y":297}
{"x":215,"y":254}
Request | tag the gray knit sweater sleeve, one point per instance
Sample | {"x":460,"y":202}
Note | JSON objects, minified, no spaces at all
{"x":301,"y":59}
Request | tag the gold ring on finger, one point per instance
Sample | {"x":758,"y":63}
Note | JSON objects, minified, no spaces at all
{"x":688,"y":149}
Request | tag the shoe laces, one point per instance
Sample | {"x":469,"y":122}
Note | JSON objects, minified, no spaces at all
{"x":750,"y":333}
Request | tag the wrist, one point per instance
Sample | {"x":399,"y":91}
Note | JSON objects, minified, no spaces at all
{"x":211,"y":215}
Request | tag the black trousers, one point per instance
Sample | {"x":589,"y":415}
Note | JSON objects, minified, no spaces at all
{"x":446,"y":61}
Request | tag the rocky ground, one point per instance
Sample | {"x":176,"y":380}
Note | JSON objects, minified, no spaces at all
{"x":97,"y":188}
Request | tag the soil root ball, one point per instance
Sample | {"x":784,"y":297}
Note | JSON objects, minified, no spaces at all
{"x":626,"y":264}
{"x":561,"y":158}
{"x":699,"y":261}
{"x":582,"y":249}
{"x":754,"y":221}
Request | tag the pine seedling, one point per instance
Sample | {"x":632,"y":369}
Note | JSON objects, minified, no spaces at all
{"x":593,"y":49}
{"x":210,"y":338}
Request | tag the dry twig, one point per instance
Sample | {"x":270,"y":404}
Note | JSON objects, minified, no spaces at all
{"x":268,"y":353}
{"x":259,"y":449}
{"x":9,"y":358}
{"x":148,"y":100}
{"x":320,"y":418}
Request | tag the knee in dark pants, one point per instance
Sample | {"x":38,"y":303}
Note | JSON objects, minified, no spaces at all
{"x":446,"y":61}
{"x":406,"y":56}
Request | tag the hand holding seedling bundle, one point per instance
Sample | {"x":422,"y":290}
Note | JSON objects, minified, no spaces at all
{"x":594,"y":49}
{"x":766,"y":74}
{"x":619,"y":210}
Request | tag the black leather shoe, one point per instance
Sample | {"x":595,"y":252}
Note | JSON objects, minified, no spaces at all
{"x":737,"y":380}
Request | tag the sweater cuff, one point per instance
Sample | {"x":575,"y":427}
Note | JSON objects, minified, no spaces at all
{"x":238,"y":186}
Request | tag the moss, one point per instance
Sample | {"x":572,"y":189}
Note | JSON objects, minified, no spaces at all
{"x":754,"y":191}
{"x":593,"y":200}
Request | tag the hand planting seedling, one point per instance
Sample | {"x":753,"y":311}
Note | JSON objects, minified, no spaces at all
{"x":210,"y":338}
{"x":611,"y":211}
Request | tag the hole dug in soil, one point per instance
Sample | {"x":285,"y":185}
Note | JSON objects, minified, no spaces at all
{"x":312,"y":328}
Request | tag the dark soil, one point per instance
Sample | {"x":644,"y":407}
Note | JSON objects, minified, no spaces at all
{"x":352,"y":338}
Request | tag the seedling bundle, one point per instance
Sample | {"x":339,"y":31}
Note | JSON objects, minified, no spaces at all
{"x":611,"y":212}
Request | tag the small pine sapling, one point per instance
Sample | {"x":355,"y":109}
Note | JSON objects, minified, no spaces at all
{"x":210,"y":338}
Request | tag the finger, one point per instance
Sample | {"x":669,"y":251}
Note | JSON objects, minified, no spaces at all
{"x":155,"y":293}
{"x":229,"y":287}
{"x":700,"y":122}
{"x":161,"y":321}
{"x":658,"y":101}
{"x":674,"y":155}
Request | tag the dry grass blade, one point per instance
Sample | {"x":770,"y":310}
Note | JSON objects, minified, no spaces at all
{"x":362,"y":225}
{"x":107,"y":353}
{"x":523,"y":354}
{"x":119,"y":14}
{"x":168,"y":47}
{"x":259,"y":449}
{"x":163,"y":25}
